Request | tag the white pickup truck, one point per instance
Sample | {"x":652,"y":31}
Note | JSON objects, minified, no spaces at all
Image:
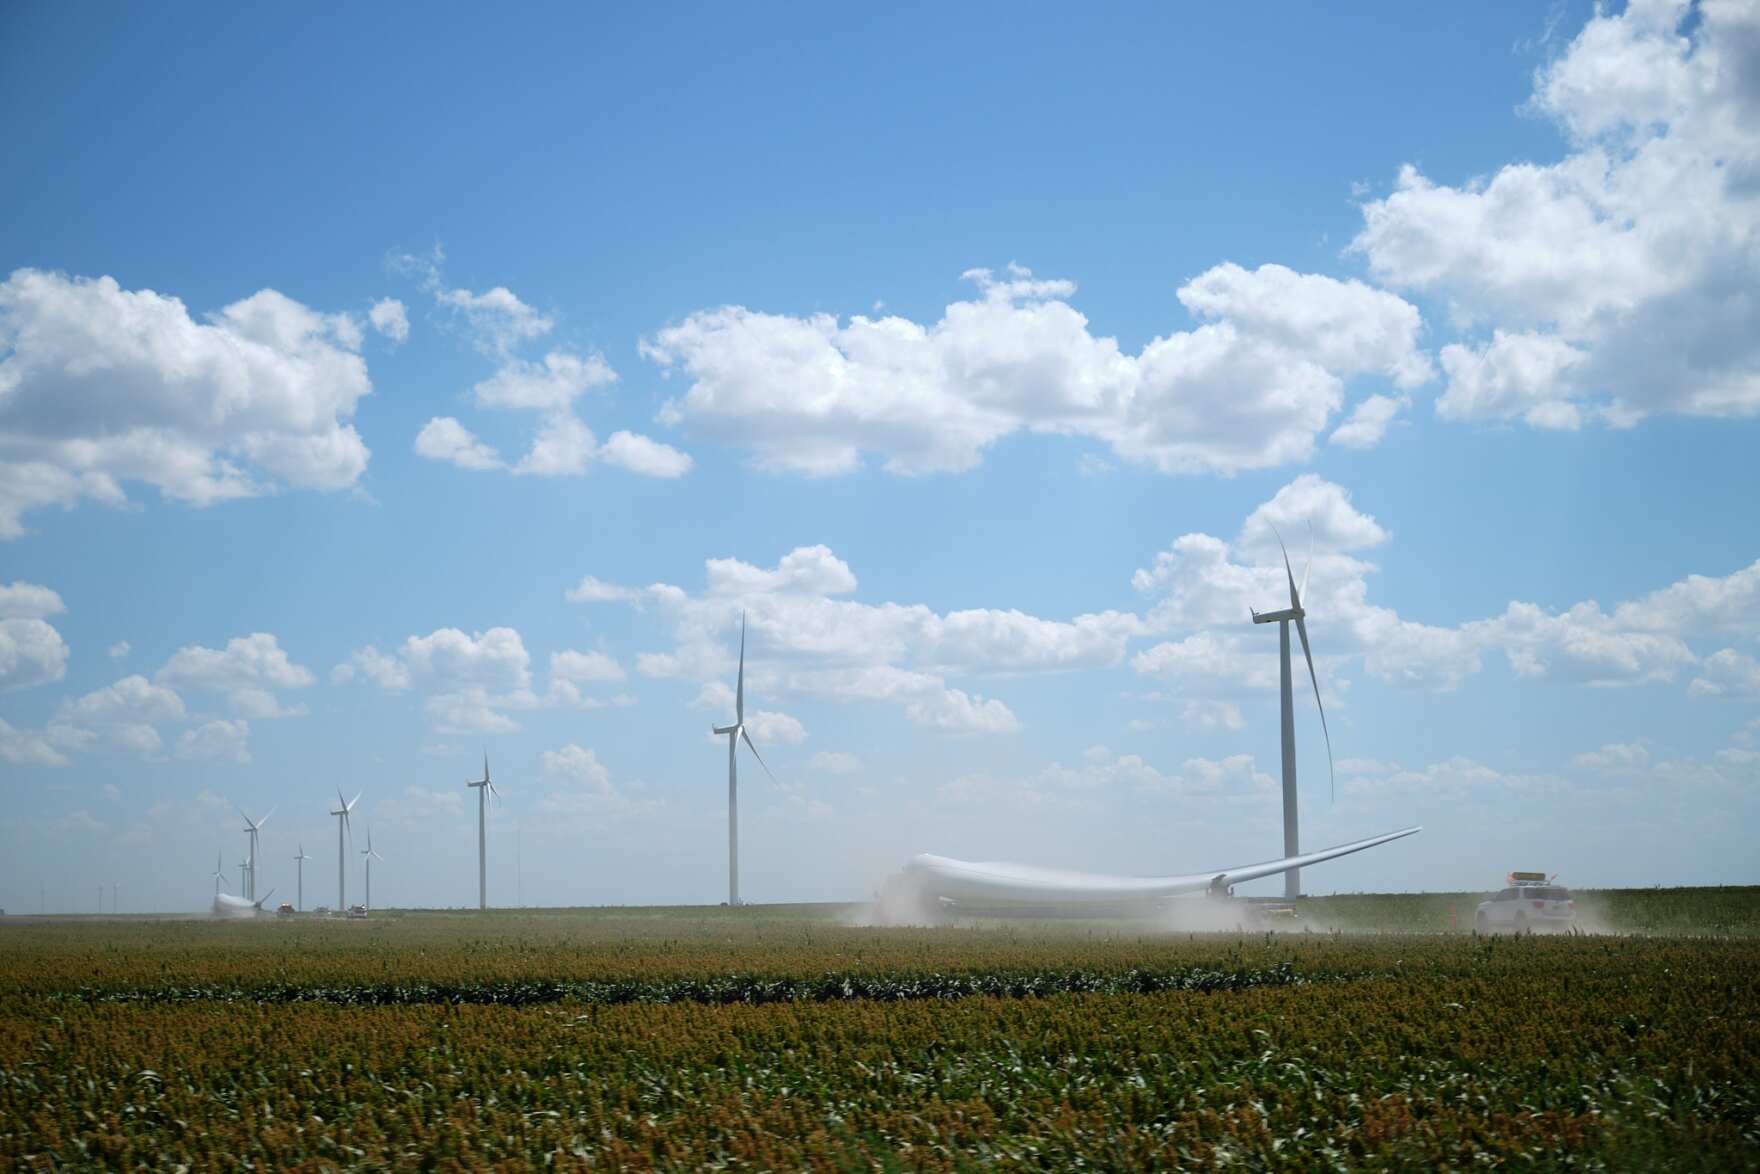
{"x":1532,"y":903}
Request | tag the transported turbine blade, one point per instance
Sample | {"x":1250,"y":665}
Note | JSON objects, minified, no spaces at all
{"x":1302,"y":631}
{"x":755,"y":754}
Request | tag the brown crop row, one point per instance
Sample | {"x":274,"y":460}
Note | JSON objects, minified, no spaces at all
{"x":1414,"y":1052}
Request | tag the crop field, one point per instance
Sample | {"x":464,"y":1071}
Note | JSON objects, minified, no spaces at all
{"x":793,"y":1038}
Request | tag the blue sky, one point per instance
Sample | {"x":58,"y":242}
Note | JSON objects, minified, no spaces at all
{"x":378,"y":387}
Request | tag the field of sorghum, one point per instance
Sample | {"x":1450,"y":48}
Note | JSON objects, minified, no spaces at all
{"x":782,"y":1038}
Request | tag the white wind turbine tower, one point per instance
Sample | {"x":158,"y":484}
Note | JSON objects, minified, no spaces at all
{"x":219,"y":873}
{"x":369,"y":856}
{"x":344,"y":807}
{"x":734,"y":733}
{"x":251,"y":828}
{"x":485,"y":788}
{"x":299,"y":862}
{"x":1292,"y":880}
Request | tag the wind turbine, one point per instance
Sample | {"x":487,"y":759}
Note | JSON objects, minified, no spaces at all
{"x":344,"y":806}
{"x":734,"y":733}
{"x":219,"y":873}
{"x":1292,"y":880}
{"x":370,"y":856}
{"x":485,"y":788}
{"x":251,"y":828}
{"x":299,"y":862}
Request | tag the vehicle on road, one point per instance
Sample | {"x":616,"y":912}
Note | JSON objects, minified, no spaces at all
{"x":356,"y":912}
{"x":1532,"y":903}
{"x":285,"y":909}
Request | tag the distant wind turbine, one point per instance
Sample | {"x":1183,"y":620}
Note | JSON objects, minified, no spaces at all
{"x":219,"y":873}
{"x":299,"y":862}
{"x":1292,"y":880}
{"x":485,"y":788}
{"x":369,"y":855}
{"x":343,"y":808}
{"x":734,"y":733}
{"x":251,"y":828}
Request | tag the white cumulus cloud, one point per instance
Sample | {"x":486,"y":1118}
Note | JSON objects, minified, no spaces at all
{"x":32,"y":652}
{"x":390,"y":318}
{"x":1250,"y":387}
{"x":1618,"y":281}
{"x":639,"y":454}
{"x":100,"y":386}
{"x":28,"y":601}
{"x":444,"y":439}
{"x":247,"y":672}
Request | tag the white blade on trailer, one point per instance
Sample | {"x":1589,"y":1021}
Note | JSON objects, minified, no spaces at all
{"x":1004,"y":883}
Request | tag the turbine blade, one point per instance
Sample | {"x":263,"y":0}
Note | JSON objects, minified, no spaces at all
{"x":1302,"y":631}
{"x":1295,"y":598}
{"x":1310,"y":564}
{"x":265,"y":819}
{"x":755,"y":754}
{"x":739,"y":691}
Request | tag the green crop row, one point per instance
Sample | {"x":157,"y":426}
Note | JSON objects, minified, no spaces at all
{"x":732,"y":988}
{"x":1548,"y":1056}
{"x":676,"y":1040}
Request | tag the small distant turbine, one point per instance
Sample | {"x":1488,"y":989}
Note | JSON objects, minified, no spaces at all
{"x":300,"y":863}
{"x":369,"y":855}
{"x":1292,"y":880}
{"x":734,"y":733}
{"x":485,"y":788}
{"x":343,"y":808}
{"x":251,"y":828}
{"x":219,"y":874}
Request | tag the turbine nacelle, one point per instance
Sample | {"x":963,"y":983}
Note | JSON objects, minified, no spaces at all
{"x":485,"y":784}
{"x":737,"y":731}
